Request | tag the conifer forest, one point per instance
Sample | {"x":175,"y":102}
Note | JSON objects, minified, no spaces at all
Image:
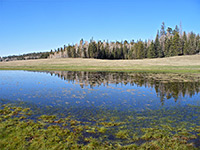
{"x":168,"y":42}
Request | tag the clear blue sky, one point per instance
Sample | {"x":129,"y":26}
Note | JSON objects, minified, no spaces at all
{"x":41,"y":25}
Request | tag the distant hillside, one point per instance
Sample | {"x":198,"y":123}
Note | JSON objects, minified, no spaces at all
{"x":39,"y":55}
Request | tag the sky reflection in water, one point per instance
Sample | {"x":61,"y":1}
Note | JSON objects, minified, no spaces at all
{"x":85,"y":89}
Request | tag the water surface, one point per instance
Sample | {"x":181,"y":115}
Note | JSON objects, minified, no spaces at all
{"x":125,"y":105}
{"x":110,"y":90}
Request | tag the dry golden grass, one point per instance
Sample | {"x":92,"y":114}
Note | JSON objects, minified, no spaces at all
{"x":171,"y":63}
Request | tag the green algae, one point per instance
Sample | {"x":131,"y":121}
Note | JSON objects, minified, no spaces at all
{"x":155,"y":129}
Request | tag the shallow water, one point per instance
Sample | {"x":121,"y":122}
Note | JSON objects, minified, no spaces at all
{"x":125,"y":104}
{"x":85,"y":89}
{"x":89,"y":95}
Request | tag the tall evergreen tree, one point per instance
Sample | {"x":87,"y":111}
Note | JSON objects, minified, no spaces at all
{"x":169,"y":32}
{"x":151,"y":51}
{"x":162,"y":31}
{"x":185,"y":44}
{"x":145,"y":49}
{"x":130,"y":53}
{"x":168,"y":44}
{"x":51,"y":52}
{"x":125,"y":49}
{"x":176,"y":30}
{"x":102,"y":52}
{"x":176,"y":47}
{"x":158,"y":51}
{"x":90,"y":50}
{"x":162,"y":40}
{"x":198,"y":44}
{"x":107,"y":52}
{"x":140,"y":50}
{"x":191,"y":43}
{"x":68,"y":51}
{"x":73,"y":52}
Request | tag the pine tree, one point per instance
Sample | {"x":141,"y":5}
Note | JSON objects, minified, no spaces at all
{"x":151,"y":51}
{"x":80,"y":49}
{"x":125,"y":50}
{"x":65,"y":48}
{"x":58,"y":50}
{"x":73,"y":52}
{"x":68,"y":51}
{"x":145,"y":49}
{"x":176,"y":47}
{"x":140,"y":50}
{"x":186,"y":48}
{"x":168,"y":44}
{"x":185,"y":44}
{"x":169,"y":32}
{"x":90,"y":50}
{"x":107,"y":53}
{"x":198,"y":44}
{"x":51,"y":52}
{"x":102,"y":52}
{"x":130,"y":53}
{"x":162,"y":31}
{"x":158,"y":51}
{"x":191,"y":43}
{"x":94,"y":47}
{"x":98,"y":49}
{"x":162,"y":40}
{"x":176,"y":30}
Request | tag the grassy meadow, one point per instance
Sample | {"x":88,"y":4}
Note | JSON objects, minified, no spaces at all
{"x":175,"y":128}
{"x":177,"y":64}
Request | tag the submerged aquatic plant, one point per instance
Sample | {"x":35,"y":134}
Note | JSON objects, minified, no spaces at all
{"x":21,"y":131}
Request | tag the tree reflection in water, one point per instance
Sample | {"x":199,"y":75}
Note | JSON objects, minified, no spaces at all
{"x":166,"y":85}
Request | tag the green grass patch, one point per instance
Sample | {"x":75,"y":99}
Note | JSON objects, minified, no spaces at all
{"x":151,"y":69}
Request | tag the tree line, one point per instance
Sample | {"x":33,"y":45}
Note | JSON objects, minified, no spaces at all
{"x":168,"y":42}
{"x":39,"y":55}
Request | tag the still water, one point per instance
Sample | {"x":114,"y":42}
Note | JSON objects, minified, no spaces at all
{"x":123,"y":91}
{"x":123,"y":108}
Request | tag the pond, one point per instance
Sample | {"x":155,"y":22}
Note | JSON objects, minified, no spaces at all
{"x":127,"y":105}
{"x":85,"y":89}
